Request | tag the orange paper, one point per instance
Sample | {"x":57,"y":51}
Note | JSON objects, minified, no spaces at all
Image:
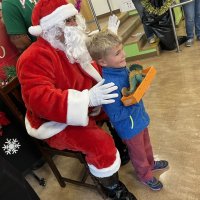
{"x":150,"y":73}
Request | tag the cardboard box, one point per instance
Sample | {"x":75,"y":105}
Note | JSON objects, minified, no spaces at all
{"x":150,"y":73}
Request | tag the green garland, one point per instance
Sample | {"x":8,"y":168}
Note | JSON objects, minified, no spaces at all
{"x":10,"y":71}
{"x":156,"y":11}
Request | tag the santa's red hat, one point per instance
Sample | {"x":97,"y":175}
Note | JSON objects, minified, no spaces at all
{"x":48,"y":13}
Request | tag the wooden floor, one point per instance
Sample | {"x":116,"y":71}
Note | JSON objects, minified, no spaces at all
{"x":173,"y":103}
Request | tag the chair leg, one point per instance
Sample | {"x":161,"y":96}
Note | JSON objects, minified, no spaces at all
{"x":54,"y":169}
{"x":62,"y":180}
{"x":85,"y":175}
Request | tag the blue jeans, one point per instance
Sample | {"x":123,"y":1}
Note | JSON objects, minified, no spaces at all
{"x":192,"y":18}
{"x":148,"y":31}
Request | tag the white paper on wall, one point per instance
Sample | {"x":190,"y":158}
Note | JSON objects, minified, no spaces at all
{"x":126,"y":5}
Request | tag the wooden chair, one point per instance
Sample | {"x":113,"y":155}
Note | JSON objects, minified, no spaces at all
{"x":11,"y":96}
{"x":48,"y":154}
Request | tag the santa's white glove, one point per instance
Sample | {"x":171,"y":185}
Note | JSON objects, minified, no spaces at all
{"x":100,"y":94}
{"x":113,"y":23}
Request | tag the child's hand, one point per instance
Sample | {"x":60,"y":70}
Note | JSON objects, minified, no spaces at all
{"x":113,"y":24}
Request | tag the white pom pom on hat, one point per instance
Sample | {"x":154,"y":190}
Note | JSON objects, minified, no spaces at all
{"x":48,"y":13}
{"x":35,"y":30}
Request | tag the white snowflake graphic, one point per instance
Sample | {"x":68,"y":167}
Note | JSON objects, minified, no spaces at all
{"x":11,"y":146}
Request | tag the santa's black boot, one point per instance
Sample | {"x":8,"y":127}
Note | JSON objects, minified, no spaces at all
{"x":122,"y":148}
{"x":115,"y":189}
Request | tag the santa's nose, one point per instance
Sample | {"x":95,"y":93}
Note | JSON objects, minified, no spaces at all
{"x":71,"y":21}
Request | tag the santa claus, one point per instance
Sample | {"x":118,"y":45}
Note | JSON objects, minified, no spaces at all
{"x":63,"y":91}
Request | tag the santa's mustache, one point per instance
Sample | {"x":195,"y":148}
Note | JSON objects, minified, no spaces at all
{"x":75,"y":45}
{"x":73,"y":42}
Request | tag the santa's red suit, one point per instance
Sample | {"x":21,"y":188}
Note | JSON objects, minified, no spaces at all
{"x":55,"y":93}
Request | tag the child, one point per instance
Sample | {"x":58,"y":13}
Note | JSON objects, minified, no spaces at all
{"x":130,"y":122}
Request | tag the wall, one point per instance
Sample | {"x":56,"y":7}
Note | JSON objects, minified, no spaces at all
{"x":101,"y":6}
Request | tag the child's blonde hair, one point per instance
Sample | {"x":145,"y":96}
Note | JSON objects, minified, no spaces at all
{"x":100,"y":43}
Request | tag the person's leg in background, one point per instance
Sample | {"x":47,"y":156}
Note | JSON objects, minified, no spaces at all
{"x":189,"y":12}
{"x":197,"y":19}
{"x":148,"y":31}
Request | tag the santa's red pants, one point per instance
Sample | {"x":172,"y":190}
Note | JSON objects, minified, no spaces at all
{"x":98,"y":146}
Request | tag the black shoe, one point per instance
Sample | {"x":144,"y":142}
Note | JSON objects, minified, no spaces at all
{"x":119,"y":193}
{"x":182,"y":39}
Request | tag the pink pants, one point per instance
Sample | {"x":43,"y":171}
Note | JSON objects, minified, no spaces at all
{"x":141,"y":154}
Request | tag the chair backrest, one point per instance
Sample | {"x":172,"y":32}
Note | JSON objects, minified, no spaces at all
{"x":10,"y":94}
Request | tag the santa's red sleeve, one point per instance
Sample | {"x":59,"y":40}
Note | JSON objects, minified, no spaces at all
{"x":48,"y":100}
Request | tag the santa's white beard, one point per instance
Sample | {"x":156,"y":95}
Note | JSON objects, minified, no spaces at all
{"x":75,"y":47}
{"x":74,"y":41}
{"x":53,"y":36}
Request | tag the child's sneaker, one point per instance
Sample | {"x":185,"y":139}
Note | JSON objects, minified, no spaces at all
{"x":160,"y":165}
{"x":154,"y":184}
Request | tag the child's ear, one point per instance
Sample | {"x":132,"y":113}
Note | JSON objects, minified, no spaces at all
{"x":102,"y":62}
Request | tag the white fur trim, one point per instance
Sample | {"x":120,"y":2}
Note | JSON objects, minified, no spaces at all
{"x":77,"y":114}
{"x":60,"y":14}
{"x":35,"y":30}
{"x":89,"y":69}
{"x":46,"y":130}
{"x":106,"y":172}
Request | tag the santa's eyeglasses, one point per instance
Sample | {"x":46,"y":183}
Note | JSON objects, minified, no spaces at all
{"x":70,"y":19}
